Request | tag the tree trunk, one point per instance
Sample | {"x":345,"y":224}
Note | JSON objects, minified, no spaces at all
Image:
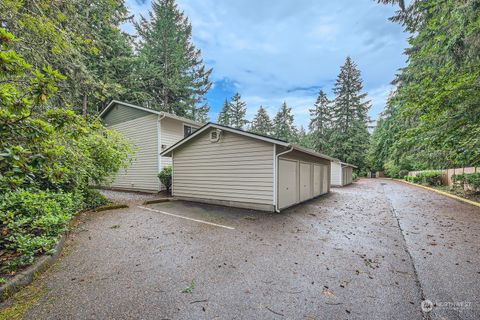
{"x":84,"y":109}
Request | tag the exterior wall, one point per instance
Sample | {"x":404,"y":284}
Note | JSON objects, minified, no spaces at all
{"x":171,"y":133}
{"x":120,"y":113}
{"x":348,"y":175}
{"x":341,"y":175}
{"x":235,"y":170}
{"x":142,"y":173}
{"x":336,"y":174}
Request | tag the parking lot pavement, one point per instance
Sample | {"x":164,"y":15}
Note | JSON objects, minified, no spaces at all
{"x":363,"y":251}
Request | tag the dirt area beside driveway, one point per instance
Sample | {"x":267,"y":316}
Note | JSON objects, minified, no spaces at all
{"x":374,"y":250}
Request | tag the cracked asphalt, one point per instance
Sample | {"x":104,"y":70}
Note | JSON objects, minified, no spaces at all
{"x":372,"y":250}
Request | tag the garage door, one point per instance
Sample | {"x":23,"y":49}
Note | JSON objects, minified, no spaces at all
{"x":305,"y":181}
{"x":325,"y":176}
{"x":317,"y":180}
{"x":287,"y":183}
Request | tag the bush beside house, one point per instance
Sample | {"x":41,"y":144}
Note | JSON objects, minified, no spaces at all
{"x":49,"y":158}
{"x":165,"y":177}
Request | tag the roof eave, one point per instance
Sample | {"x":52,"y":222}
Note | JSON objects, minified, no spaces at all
{"x":167,"y":152}
{"x":165,"y":114}
{"x":311,"y":152}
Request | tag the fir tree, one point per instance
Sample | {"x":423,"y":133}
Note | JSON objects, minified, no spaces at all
{"x":261,"y":122}
{"x":303,"y":138}
{"x":224,"y":115}
{"x":283,"y":127}
{"x":238,"y":109}
{"x":201,"y":114}
{"x":172,"y":75}
{"x":350,"y":137}
{"x":320,"y":123}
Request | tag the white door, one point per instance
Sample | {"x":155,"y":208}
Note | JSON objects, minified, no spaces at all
{"x":317,"y":180}
{"x":287,"y":183}
{"x":305,"y":181}
{"x":325,"y":176}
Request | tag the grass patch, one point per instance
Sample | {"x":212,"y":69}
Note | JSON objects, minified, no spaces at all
{"x":460,"y":193}
{"x":21,"y":302}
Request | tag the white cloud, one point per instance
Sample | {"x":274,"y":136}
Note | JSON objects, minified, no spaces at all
{"x":268,"y":49}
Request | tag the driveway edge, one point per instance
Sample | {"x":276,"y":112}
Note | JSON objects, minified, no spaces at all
{"x":474,"y":203}
{"x":41,"y":264}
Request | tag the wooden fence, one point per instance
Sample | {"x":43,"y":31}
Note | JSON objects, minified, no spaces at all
{"x":448,"y":173}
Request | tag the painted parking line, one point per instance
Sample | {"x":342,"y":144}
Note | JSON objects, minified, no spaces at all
{"x":186,"y":218}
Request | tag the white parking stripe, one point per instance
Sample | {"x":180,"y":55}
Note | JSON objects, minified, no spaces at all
{"x":186,"y":218}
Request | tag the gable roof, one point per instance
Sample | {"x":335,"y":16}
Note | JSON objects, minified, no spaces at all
{"x":344,"y":164}
{"x":276,"y":141}
{"x":164,"y":114}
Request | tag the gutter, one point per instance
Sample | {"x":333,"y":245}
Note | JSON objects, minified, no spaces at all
{"x":159,"y":146}
{"x":275,"y":180}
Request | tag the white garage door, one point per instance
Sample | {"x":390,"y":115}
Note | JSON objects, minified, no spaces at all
{"x":325,"y":176}
{"x":317,"y":180}
{"x":305,"y":181}
{"x":287,"y":183}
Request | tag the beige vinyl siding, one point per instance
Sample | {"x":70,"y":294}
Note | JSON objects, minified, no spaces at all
{"x":171,"y":133}
{"x":337,"y":175}
{"x":120,"y":113}
{"x":347,"y":175}
{"x":142,"y":174}
{"x":235,"y":169}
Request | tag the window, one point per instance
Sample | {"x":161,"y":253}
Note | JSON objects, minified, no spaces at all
{"x":188,"y":130}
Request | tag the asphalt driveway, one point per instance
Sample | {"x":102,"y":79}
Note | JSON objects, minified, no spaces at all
{"x":372,"y":250}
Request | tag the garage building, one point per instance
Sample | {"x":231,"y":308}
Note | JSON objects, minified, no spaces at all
{"x":227,"y":166}
{"x":342,"y":173}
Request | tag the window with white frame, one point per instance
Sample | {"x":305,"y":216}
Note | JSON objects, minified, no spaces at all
{"x":188,"y":130}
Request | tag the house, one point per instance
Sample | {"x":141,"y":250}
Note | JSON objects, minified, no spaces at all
{"x":151,"y":132}
{"x":222,"y":165}
{"x":342,"y":173}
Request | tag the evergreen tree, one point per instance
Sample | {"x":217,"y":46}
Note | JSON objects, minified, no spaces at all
{"x":303,"y":138}
{"x":80,"y":39}
{"x":320,"y":123}
{"x":224,"y":115}
{"x":283,"y":127}
{"x":201,"y":114}
{"x":350,"y":137}
{"x":261,"y":122}
{"x":238,"y":109}
{"x":172,"y":75}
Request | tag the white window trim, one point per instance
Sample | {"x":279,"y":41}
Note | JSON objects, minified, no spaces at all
{"x":194,"y":128}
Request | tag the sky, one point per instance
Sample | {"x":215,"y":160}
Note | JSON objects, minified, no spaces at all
{"x":272,"y":51}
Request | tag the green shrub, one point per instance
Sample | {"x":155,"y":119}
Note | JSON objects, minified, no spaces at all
{"x":354,"y":176}
{"x":92,"y":199}
{"x":31,"y":221}
{"x":470,"y":179}
{"x":411,"y":179}
{"x":165,"y":177}
{"x":48,"y":149}
{"x":391,"y":169}
{"x":431,"y":177}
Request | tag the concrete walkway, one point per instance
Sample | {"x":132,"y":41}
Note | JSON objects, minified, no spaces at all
{"x":372,"y":250}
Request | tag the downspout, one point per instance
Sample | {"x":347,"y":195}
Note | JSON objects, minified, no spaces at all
{"x":159,"y":147}
{"x":275,"y":178}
